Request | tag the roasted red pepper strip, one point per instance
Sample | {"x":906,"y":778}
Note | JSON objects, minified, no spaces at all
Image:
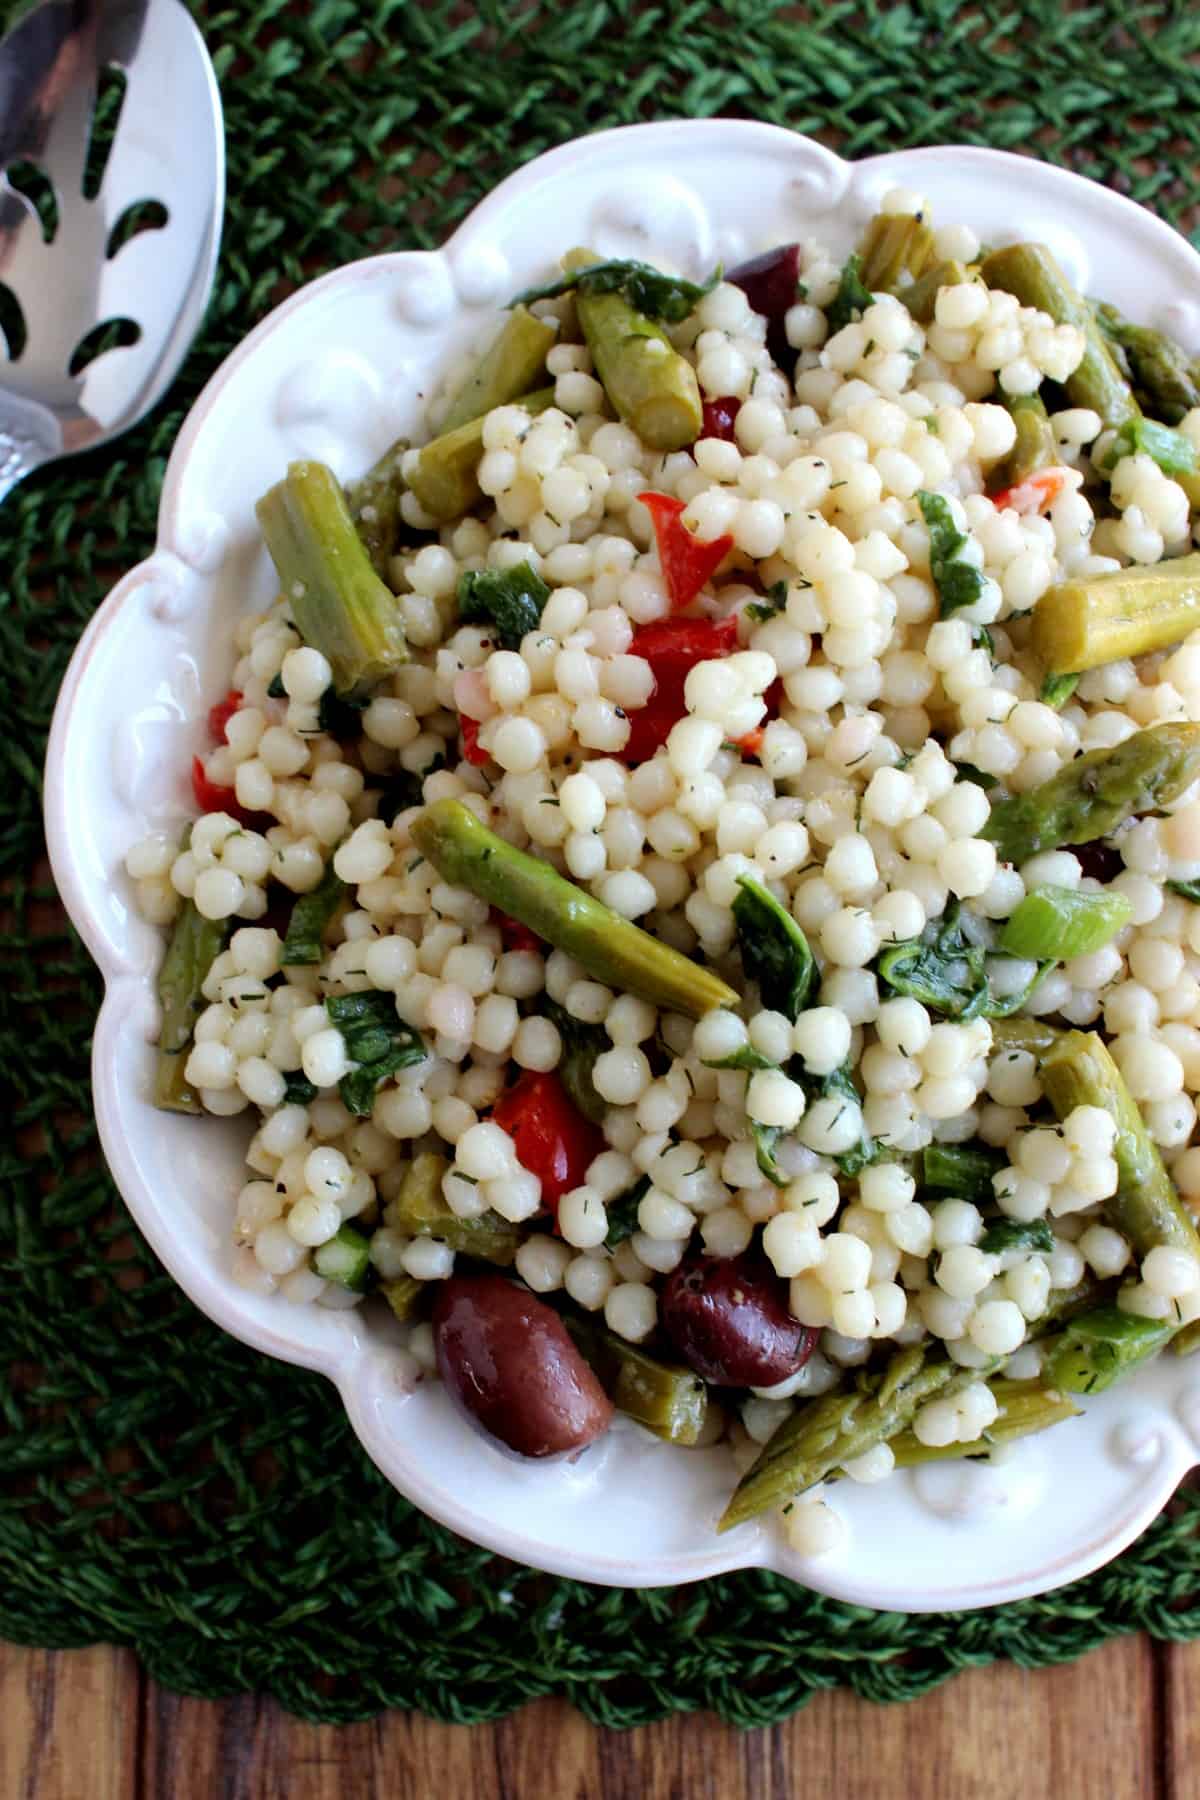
{"x":516,"y":936}
{"x":220,"y":715}
{"x":719,"y":416}
{"x":686,"y":560}
{"x":1036,"y":494}
{"x":211,"y":798}
{"x":553,"y":1141}
{"x":472,"y":749}
{"x":672,"y":647}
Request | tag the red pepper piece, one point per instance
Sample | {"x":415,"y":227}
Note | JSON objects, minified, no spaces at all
{"x":220,"y":715}
{"x":211,"y":798}
{"x":515,"y":935}
{"x":687,"y":561}
{"x":719,"y":416}
{"x":553,"y":1140}
{"x":1036,"y":494}
{"x":472,"y":749}
{"x":672,"y":647}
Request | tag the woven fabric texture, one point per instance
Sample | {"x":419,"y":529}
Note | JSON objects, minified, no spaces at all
{"x":160,"y":1485}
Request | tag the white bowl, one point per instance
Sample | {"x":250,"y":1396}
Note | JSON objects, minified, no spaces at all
{"x":337,"y":372}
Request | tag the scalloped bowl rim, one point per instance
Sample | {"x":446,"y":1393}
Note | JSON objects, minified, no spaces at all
{"x":345,"y":1356}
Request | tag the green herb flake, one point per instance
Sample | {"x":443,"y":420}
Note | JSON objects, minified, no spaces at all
{"x":510,"y":599}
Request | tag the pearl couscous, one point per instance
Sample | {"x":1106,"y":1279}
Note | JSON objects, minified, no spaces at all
{"x":770,"y":689}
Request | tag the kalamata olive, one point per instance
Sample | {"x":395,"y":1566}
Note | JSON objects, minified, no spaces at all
{"x":769,"y":281}
{"x":728,"y":1318}
{"x":507,"y":1360}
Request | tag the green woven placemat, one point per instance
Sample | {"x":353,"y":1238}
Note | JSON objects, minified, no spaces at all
{"x":160,"y":1485}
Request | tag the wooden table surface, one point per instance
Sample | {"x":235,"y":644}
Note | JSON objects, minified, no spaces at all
{"x":1121,"y":1724}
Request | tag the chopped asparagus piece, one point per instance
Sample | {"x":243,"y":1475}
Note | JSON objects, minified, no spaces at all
{"x":508,"y":368}
{"x":1031,"y":273}
{"x":851,"y":300}
{"x":894,"y":245}
{"x":1035,"y":447}
{"x":311,"y":915}
{"x":1174,"y":452}
{"x":828,"y":1433}
{"x":374,"y":502}
{"x":1033,"y":1035}
{"x":340,"y":605}
{"x":444,"y":478}
{"x":420,"y":1210}
{"x":648,"y":290}
{"x":921,"y":297}
{"x":404,"y":1295}
{"x":620,"y":954}
{"x":195,"y":944}
{"x":668,"y":1399}
{"x":1061,"y":923}
{"x":651,"y":387}
{"x":344,"y":1258}
{"x":1100,"y":1346}
{"x":1078,"y":1071}
{"x":1100,"y":619}
{"x":1090,"y":797}
{"x":1017,"y":1234}
{"x":1025,"y":1407}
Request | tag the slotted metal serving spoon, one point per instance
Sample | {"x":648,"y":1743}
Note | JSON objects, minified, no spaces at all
{"x":99,"y":304}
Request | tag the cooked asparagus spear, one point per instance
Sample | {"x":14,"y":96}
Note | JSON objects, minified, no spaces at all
{"x":1031,"y":273}
{"x":1059,"y":923}
{"x":419,"y":1210}
{"x":1078,"y":1071}
{"x":1090,"y":797}
{"x":508,"y":368}
{"x":374,"y":502}
{"x":666,"y":1398}
{"x":830,"y":1432}
{"x":444,"y":478}
{"x":311,"y":914}
{"x":1100,"y":1346}
{"x":1166,"y":381}
{"x":195,"y":944}
{"x":894,"y":245}
{"x":340,"y":605}
{"x":1035,"y":447}
{"x":1101,"y":618}
{"x":466,"y":854}
{"x":921,"y":297}
{"x":651,"y":387}
{"x":1025,"y":1407}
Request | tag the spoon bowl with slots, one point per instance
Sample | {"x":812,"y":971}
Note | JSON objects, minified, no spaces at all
{"x":111,"y":196}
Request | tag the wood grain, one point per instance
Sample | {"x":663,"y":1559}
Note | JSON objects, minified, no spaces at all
{"x":1121,"y":1724}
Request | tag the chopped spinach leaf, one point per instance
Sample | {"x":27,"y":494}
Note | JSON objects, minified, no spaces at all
{"x":958,"y":583}
{"x":980,"y":777}
{"x":402,"y":789}
{"x":962,"y":1170}
{"x":765,"y":1139}
{"x":852,"y":298}
{"x":840,"y":1085}
{"x":510,"y":599}
{"x":623,"y":1213}
{"x":945,"y":969}
{"x":581,"y":1045}
{"x":277,"y":691}
{"x":648,"y":290}
{"x":775,"y":951}
{"x":298,"y":1089}
{"x":376,"y":1038}
{"x":340,"y":715}
{"x":1187,"y":890}
{"x":1017,"y":1234}
{"x":311,"y":914}
{"x":770,"y":607}
{"x":745,"y":1058}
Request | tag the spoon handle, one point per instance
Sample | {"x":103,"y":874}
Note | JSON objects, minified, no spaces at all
{"x":30,"y":435}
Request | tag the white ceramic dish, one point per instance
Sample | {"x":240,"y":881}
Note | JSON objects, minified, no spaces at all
{"x":336,"y":373}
